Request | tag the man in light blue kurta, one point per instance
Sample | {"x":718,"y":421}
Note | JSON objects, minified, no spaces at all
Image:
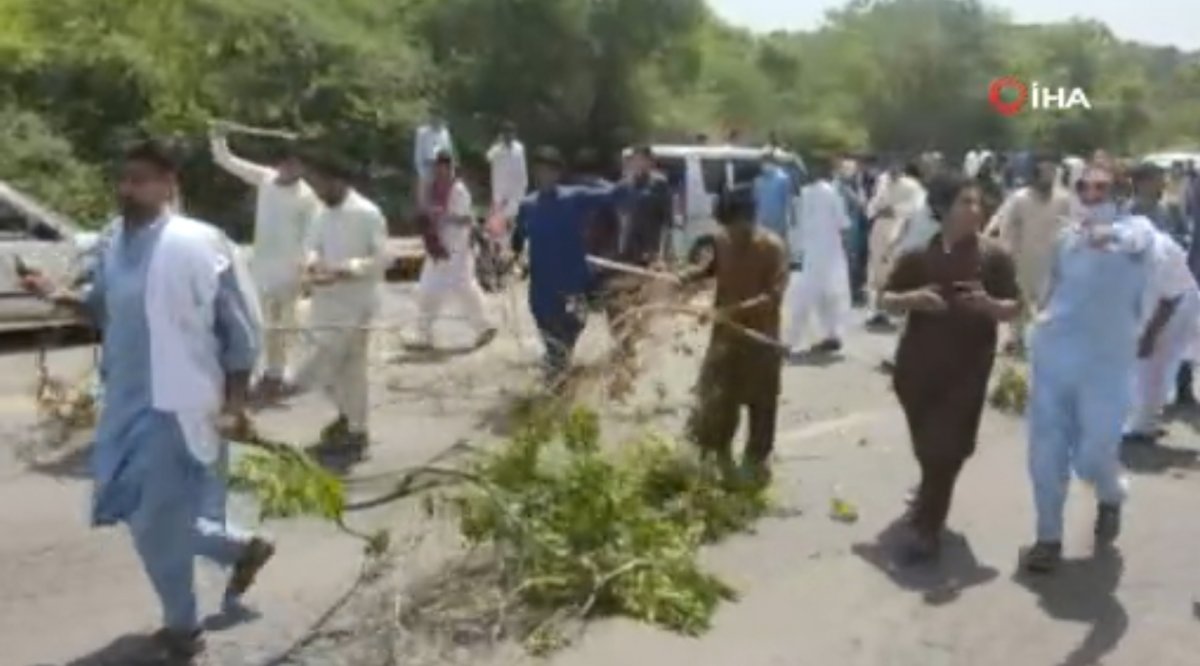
{"x":156,"y":466}
{"x":774,"y":192}
{"x":1083,"y":354}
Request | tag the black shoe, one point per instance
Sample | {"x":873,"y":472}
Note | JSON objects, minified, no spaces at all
{"x":254,"y":557}
{"x":830,"y":346}
{"x":879,"y":320}
{"x":180,"y":643}
{"x":332,"y":434}
{"x":1108,"y":524}
{"x":1043,"y":558}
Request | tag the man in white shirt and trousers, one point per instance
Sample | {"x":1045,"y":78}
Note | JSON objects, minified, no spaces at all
{"x":822,"y":287}
{"x":1170,"y":337}
{"x":431,"y":139}
{"x":284,"y":212}
{"x":345,"y":267}
{"x":449,"y":267}
{"x":510,"y":174}
{"x":898,"y":196}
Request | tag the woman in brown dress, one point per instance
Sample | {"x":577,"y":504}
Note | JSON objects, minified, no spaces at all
{"x":954,"y":292}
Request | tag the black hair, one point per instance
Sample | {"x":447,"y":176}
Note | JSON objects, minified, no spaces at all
{"x":912,"y":169}
{"x":1146,"y":171}
{"x":587,"y":160}
{"x":443,"y":157}
{"x":735,"y":205}
{"x":644,"y":150}
{"x":156,"y":153}
{"x":944,"y":189}
{"x":508,"y":127}
{"x":548,"y":156}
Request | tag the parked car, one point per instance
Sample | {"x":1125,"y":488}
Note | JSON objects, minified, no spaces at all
{"x":697,"y":173}
{"x":33,"y":235}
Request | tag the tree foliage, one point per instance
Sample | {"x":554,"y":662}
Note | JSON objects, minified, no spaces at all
{"x":882,"y":75}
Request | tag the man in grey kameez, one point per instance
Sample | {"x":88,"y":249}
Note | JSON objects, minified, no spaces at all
{"x":154,"y":467}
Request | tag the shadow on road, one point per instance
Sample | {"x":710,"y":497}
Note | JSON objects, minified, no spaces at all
{"x":941,"y":582}
{"x":24,"y":342}
{"x":812,"y":359}
{"x":1159,"y":459}
{"x":1084,"y":591}
{"x":130,"y":650}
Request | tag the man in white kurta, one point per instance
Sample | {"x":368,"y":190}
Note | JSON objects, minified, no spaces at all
{"x":821,"y":289}
{"x":432,"y":139}
{"x":1169,"y":337}
{"x":898,"y":195}
{"x":510,"y":173}
{"x":448,"y":273}
{"x":1028,"y":224}
{"x":284,"y":209}
{"x":345,"y":268}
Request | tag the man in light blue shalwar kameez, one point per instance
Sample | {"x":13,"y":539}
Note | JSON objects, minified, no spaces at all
{"x":774,"y":195}
{"x":1083,"y":353}
{"x":180,"y":338}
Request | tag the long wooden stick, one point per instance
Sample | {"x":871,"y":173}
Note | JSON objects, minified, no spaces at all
{"x":630,"y":269}
{"x":231,"y":126}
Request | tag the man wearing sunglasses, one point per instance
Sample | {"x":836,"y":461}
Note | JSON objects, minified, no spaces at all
{"x":1084,"y":349}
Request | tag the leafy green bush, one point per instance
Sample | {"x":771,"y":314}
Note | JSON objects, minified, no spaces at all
{"x":40,"y":162}
{"x":602,"y":533}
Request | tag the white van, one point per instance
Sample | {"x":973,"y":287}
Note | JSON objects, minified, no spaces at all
{"x":697,"y":173}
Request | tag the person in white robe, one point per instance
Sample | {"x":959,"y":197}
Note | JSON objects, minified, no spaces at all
{"x":510,"y":173}
{"x":448,"y":272}
{"x":284,"y":209}
{"x":431,"y":139}
{"x":180,"y":338}
{"x":898,"y":195}
{"x":345,"y":269}
{"x":821,"y":289}
{"x":1028,"y":225}
{"x":1170,"y":335}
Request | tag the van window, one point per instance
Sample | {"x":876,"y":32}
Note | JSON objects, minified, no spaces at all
{"x":12,"y":223}
{"x":745,"y":171}
{"x":714,"y":175}
{"x":673,"y":168}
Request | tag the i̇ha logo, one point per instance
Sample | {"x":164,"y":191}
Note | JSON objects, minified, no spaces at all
{"x":1009,"y":95}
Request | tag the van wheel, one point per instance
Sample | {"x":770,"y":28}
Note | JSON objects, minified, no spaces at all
{"x":703,"y":252}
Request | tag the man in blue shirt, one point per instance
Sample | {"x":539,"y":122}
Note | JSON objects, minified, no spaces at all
{"x":773,"y":194}
{"x":552,"y":220}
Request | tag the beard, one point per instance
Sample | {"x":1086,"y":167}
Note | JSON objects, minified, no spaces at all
{"x":137,"y":211}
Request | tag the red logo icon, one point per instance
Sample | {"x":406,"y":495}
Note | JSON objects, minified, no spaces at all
{"x":996,"y":94}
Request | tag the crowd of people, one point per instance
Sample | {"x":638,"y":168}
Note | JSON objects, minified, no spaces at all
{"x":1094,"y":276}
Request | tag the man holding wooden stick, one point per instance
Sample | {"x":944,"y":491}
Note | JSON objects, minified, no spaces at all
{"x":744,"y":363}
{"x":283,"y":213}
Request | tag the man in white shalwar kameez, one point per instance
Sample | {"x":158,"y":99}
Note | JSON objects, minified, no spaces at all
{"x":821,"y":289}
{"x":510,"y":174}
{"x":1170,"y":335}
{"x":898,"y":195}
{"x":448,"y":272}
{"x":1028,"y":224}
{"x":284,"y":210}
{"x":346,"y":269}
{"x":432,"y":139}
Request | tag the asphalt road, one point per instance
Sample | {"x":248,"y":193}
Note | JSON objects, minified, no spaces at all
{"x":813,"y":591}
